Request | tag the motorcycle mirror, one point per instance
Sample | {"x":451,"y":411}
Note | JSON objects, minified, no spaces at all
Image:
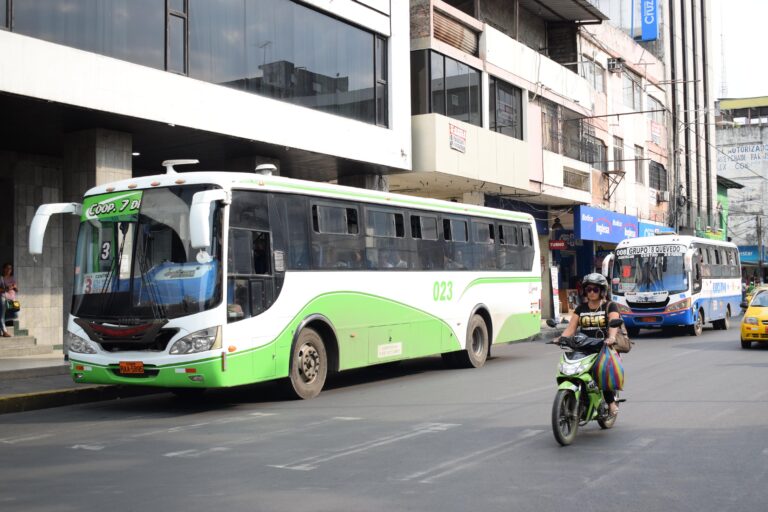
{"x":551,"y":322}
{"x":616,"y":322}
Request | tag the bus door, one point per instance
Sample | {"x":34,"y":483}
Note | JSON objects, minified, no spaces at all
{"x":250,"y":280}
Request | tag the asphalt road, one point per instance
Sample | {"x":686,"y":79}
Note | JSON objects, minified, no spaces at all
{"x":693,"y":436}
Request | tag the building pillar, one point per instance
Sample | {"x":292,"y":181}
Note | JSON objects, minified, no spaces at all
{"x":90,"y":157}
{"x":367,"y":181}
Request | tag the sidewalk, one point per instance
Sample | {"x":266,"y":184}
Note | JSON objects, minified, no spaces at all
{"x":38,"y":382}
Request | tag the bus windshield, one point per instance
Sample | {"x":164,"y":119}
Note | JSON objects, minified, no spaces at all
{"x":649,"y":273}
{"x":134,"y":260}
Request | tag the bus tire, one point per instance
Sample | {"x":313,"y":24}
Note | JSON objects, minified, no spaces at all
{"x":309,"y":365}
{"x":478,"y":344}
{"x":698,"y":324}
{"x":724,"y":323}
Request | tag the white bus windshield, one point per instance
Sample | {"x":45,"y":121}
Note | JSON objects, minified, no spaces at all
{"x":649,"y":272}
{"x":134,"y":258}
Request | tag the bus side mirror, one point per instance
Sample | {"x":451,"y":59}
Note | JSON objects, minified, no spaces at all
{"x":688,"y":261}
{"x":607,"y":262}
{"x":200,"y":216}
{"x":40,"y":222}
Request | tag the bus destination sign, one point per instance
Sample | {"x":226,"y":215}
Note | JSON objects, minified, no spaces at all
{"x":650,"y":250}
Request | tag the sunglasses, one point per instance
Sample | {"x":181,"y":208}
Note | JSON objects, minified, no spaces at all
{"x":592,"y":289}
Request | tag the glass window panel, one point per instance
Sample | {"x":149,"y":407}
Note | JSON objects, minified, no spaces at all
{"x":331,"y":219}
{"x":437,"y":85}
{"x":176,"y":37}
{"x":506,"y":114}
{"x":475,"y":112}
{"x":457,"y":90}
{"x":3,"y":13}
{"x":420,"y":82}
{"x":429,"y":228}
{"x":380,"y":224}
{"x":177,"y":5}
{"x":131,"y":30}
{"x":216,"y":42}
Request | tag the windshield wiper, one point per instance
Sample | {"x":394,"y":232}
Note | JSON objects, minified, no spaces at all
{"x":158,"y":310}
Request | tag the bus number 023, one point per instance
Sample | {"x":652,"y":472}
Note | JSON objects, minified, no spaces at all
{"x":442,"y":290}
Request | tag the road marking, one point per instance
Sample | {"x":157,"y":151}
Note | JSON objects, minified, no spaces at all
{"x":190,"y":454}
{"x":458,"y":464}
{"x":310,"y":463}
{"x":89,"y":447}
{"x":22,"y":439}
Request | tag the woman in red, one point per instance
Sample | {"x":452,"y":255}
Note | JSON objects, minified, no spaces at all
{"x":8,"y":291}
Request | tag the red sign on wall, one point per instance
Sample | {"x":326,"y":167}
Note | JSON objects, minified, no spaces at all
{"x":557,"y":245}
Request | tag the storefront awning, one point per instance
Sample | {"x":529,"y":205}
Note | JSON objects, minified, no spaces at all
{"x":564,"y":10}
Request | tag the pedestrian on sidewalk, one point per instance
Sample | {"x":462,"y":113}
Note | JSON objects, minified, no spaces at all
{"x":8,"y":289}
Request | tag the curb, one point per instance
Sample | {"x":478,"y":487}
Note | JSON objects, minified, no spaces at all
{"x":58,"y":397}
{"x":31,"y":373}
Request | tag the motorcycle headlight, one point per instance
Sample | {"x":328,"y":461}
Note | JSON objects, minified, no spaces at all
{"x":79,"y":345}
{"x":750,"y":320}
{"x":679,"y":306}
{"x":199,"y":341}
{"x":573,"y":368}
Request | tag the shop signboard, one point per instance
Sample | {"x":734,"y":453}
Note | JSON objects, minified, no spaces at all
{"x":651,"y":228}
{"x":562,"y":240}
{"x":749,"y":254}
{"x":650,"y":20}
{"x":603,"y":225}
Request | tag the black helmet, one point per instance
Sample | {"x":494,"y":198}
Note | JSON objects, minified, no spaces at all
{"x":595,"y":278}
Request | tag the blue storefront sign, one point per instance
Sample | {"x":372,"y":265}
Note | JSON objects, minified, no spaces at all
{"x":603,"y":225}
{"x":650,"y":229}
{"x":649,"y":12}
{"x":749,"y":254}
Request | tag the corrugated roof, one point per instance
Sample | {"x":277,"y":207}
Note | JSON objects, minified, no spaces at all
{"x":736,"y":103}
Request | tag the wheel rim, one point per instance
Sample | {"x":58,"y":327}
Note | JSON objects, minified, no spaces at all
{"x":309,"y":363}
{"x":567,"y":415}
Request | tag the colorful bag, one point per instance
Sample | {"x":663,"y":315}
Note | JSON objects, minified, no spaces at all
{"x":609,"y":371}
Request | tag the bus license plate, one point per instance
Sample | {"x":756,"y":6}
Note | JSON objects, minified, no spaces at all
{"x":648,"y":319}
{"x":131,"y":367}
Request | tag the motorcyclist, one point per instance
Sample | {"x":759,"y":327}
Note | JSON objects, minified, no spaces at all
{"x":590,"y":317}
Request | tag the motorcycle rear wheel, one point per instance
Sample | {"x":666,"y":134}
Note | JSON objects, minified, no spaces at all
{"x":565,"y":416}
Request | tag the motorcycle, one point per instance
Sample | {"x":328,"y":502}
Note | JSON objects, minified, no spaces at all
{"x":579,"y":399}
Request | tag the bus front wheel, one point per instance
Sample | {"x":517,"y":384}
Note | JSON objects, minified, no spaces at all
{"x":698,"y":324}
{"x":478,"y":344}
{"x":309,"y":365}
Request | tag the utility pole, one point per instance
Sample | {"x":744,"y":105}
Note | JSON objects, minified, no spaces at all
{"x":759,"y":222}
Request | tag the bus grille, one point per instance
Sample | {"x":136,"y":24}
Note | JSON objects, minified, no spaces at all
{"x":648,"y":305}
{"x":157,"y":344}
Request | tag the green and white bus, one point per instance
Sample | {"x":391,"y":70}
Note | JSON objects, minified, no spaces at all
{"x":214,"y":279}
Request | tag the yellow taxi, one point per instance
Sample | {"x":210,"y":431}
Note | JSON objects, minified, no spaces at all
{"x":754,"y":325}
{"x":756,"y":289}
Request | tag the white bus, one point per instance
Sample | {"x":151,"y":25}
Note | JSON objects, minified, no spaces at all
{"x":669,"y":280}
{"x":212,"y":279}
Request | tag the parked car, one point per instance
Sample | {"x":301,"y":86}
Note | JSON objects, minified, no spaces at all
{"x":754,"y":325}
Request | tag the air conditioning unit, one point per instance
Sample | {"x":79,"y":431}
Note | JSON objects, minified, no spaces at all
{"x":662,"y":196}
{"x":615,"y":64}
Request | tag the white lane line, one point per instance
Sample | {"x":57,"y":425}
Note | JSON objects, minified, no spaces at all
{"x":310,"y":463}
{"x":460,"y":463}
{"x":192,"y":454}
{"x":89,"y":447}
{"x":23,"y":439}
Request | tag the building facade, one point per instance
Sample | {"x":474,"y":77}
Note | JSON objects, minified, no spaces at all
{"x":92,"y":92}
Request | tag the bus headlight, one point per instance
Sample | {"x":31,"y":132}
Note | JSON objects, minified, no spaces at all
{"x":679,"y":306}
{"x":750,"y":320}
{"x":199,"y":341}
{"x":79,"y":345}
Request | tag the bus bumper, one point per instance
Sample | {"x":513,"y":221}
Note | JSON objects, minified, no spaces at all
{"x":657,"y":320}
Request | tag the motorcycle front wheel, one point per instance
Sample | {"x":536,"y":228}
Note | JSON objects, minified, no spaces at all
{"x":565,"y":416}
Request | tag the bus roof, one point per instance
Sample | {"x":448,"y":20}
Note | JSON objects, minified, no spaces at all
{"x":671,"y":239}
{"x":244,"y":180}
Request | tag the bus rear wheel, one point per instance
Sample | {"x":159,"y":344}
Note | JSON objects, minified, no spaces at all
{"x":309,"y":365}
{"x":478,"y":344}
{"x":724,"y":323}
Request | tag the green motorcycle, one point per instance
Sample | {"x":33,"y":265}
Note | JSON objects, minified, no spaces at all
{"x":579,"y":399}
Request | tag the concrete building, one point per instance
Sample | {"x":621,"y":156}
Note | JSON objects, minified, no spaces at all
{"x":543,"y":106}
{"x":97,"y":91}
{"x":742,"y":142}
